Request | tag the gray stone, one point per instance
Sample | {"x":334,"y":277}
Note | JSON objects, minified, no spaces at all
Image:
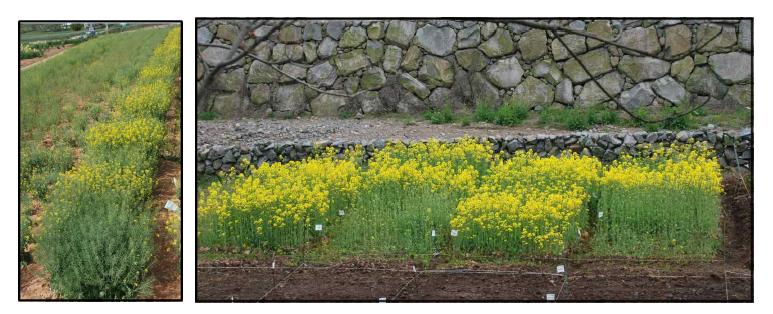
{"x":505,"y":73}
{"x":438,"y":41}
{"x":678,"y":40}
{"x":739,"y":95}
{"x":645,"y":39}
{"x":471,"y":59}
{"x":701,"y":59}
{"x":376,"y":30}
{"x":294,"y":70}
{"x":591,"y":94}
{"x":349,"y":62}
{"x":370,"y":103}
{"x":436,"y":71}
{"x":409,"y":103}
{"x":533,"y":92}
{"x":681,"y":69}
{"x":411,"y":59}
{"x":263,"y":51}
{"x":576,"y":44}
{"x":226,"y":105}
{"x":310,"y":52}
{"x":468,"y":37}
{"x":352,"y":84}
{"x":375,"y":51}
{"x":669,"y":89}
{"x":393,"y":56}
{"x":533,"y":44}
{"x":203,"y":35}
{"x":295,"y":52}
{"x":327,"y":48}
{"x":488,"y":29}
{"x":639,"y":95}
{"x":327,"y":105}
{"x":335,"y":28}
{"x":260,"y":94}
{"x":229,"y":158}
{"x":517,"y":28}
{"x":548,"y":71}
{"x":290,"y":34}
{"x":263,"y":31}
{"x":289,"y":99}
{"x":462,"y":87}
{"x":414,"y":86}
{"x":597,"y":62}
{"x":577,"y":25}
{"x":682,"y":136}
{"x":643,"y":68}
{"x":602,"y":29}
{"x":312,"y":31}
{"x":353,"y":37}
{"x":745,"y":35}
{"x":400,"y":32}
{"x":262,"y":73}
{"x":227,"y":32}
{"x":214,"y":55}
{"x":724,"y":42}
{"x":373,"y":79}
{"x":483,"y":92}
{"x":733,"y":67}
{"x":323,"y":74}
{"x":564,"y":93}
{"x":500,"y":44}
{"x":229,"y":81}
{"x":279,"y":53}
{"x":703,"y":81}
{"x":629,"y":140}
{"x":441,"y":97}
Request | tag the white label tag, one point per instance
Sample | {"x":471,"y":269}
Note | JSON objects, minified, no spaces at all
{"x":382,"y":299}
{"x":560,"y":269}
{"x":579,"y":234}
{"x":341,"y":212}
{"x":414,"y":268}
{"x":171,"y":206}
{"x":601,"y":214}
{"x":273,"y":265}
{"x":318,"y":227}
{"x":454,"y":232}
{"x":433,"y":232}
{"x":550,"y":297}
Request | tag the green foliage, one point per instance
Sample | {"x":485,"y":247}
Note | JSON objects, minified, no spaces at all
{"x":442,"y":116}
{"x":466,"y":120}
{"x":345,"y":114}
{"x":578,"y":118}
{"x":509,"y":114}
{"x":669,"y":116}
{"x":210,"y":115}
{"x":25,"y":235}
{"x":76,"y":27}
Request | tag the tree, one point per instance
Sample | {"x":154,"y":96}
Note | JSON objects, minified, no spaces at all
{"x":76,"y":27}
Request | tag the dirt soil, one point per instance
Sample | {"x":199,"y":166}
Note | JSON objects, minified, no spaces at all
{"x":728,"y":277}
{"x":50,"y":52}
{"x":312,"y":128}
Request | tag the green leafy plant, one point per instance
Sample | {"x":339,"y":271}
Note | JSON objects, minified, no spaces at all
{"x":442,"y":116}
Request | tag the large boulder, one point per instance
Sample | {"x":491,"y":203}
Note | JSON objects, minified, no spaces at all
{"x":733,"y":67}
{"x":681,"y":69}
{"x":409,"y":103}
{"x":376,"y":30}
{"x":591,"y":94}
{"x":441,"y":97}
{"x":641,"y":38}
{"x":373,"y":79}
{"x":564,"y":92}
{"x":350,"y":62}
{"x":261,"y":72}
{"x":393,"y":56}
{"x":214,"y":55}
{"x":335,"y":28}
{"x":327,"y":48}
{"x":289,"y":99}
{"x":310,"y":51}
{"x":375,"y":51}
{"x":483,"y":92}
{"x":678,"y":40}
{"x":323,"y":74}
{"x":294,"y":70}
{"x":468,"y":37}
{"x":400,"y":32}
{"x":227,"y":32}
{"x":370,"y":103}
{"x":576,"y":44}
{"x":414,"y":86}
{"x":533,"y":92}
{"x":703,"y":81}
{"x":643,"y":68}
{"x":353,"y":37}
{"x":533,"y":44}
{"x":602,"y":29}
{"x":500,"y":44}
{"x":229,"y":81}
{"x":471,"y":59}
{"x":226,"y":105}
{"x":723,"y":42}
{"x":669,"y":89}
{"x":411,"y":59}
{"x":290,"y":34}
{"x":260,"y":94}
{"x":438,"y":41}
{"x":547,"y":70}
{"x":597,"y":62}
{"x":327,"y":105}
{"x":436,"y":71}
{"x":739,"y":95}
{"x":505,"y":73}
{"x":312,"y":31}
{"x":745,"y":34}
{"x":639,"y":95}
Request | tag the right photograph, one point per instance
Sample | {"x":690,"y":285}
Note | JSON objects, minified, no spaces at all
{"x":474,"y":159}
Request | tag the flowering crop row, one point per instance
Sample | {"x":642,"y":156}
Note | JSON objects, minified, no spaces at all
{"x":409,"y":199}
{"x":97,"y":237}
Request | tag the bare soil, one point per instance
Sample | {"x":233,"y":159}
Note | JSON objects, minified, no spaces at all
{"x":728,"y":277}
{"x":50,"y":52}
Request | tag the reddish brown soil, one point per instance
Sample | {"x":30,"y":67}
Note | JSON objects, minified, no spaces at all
{"x":34,"y":283}
{"x":615,"y":279}
{"x":50,"y":52}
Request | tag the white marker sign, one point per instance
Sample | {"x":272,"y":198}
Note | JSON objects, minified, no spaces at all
{"x":341,"y":212}
{"x":171,"y":206}
{"x":550,"y":296}
{"x":382,"y":299}
{"x":318,"y":227}
{"x":601,"y":214}
{"x":560,"y":269}
{"x":454,"y":232}
{"x":433,"y":232}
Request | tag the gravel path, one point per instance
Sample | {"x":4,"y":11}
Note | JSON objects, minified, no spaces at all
{"x":232,"y":132}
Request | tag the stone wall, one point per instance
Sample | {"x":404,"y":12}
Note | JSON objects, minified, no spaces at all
{"x":734,"y":148}
{"x":414,"y":65}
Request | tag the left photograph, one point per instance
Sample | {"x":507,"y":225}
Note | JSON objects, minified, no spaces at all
{"x":100,"y":160}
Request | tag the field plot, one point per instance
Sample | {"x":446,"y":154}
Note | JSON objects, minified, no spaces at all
{"x":450,"y":221}
{"x":92,"y":131}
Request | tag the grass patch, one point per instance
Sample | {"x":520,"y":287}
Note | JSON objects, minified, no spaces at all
{"x":442,"y":116}
{"x":578,"y":118}
{"x":509,"y":114}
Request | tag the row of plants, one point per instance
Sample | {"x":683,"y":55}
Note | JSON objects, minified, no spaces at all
{"x":97,"y":240}
{"x":38,"y":48}
{"x":418,"y":199}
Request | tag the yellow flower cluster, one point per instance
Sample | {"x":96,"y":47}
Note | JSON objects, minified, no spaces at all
{"x":147,"y":98}
{"x":104,"y":176}
{"x":172,"y":227}
{"x":165,"y":60}
{"x":142,"y":132}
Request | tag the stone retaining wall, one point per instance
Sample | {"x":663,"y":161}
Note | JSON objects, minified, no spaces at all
{"x":414,"y":65}
{"x":734,"y":148}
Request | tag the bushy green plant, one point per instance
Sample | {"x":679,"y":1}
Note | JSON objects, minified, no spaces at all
{"x":442,"y":116}
{"x":579,"y":118}
{"x":509,"y":114}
